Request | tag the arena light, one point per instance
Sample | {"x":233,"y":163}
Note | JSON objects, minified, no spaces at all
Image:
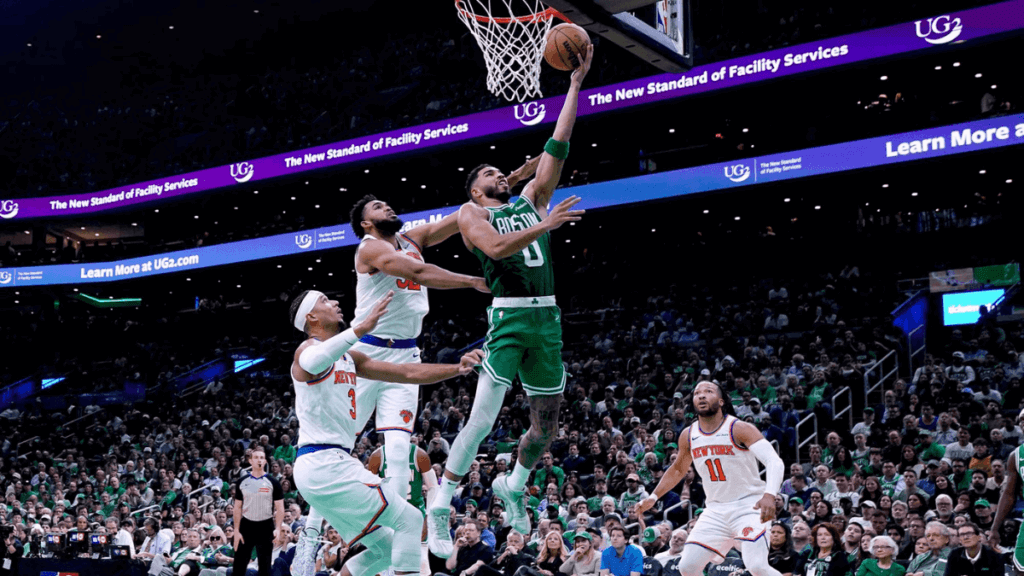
{"x":785,"y":199}
{"x":110,"y":302}
{"x":135,"y":223}
{"x":913,"y":194}
{"x":938,"y":67}
{"x":1009,"y":181}
{"x":956,"y":64}
{"x":978,"y":75}
{"x":884,"y":78}
{"x":706,"y":211}
{"x":245,"y":364}
{"x":982,"y":171}
{"x":817,"y":207}
{"x":293,"y":197}
{"x":745,"y":130}
{"x":47,"y":382}
{"x":671,"y":130}
{"x":993,"y":86}
{"x":885,"y":185}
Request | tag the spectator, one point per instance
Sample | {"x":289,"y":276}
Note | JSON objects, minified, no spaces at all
{"x":552,"y":554}
{"x":621,"y":558}
{"x":513,"y":554}
{"x":827,"y":557}
{"x":469,"y":553}
{"x":933,"y":562}
{"x":882,"y":562}
{"x":781,"y":554}
{"x":973,"y":557}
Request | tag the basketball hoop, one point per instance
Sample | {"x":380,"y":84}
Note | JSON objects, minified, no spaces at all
{"x":512,"y":43}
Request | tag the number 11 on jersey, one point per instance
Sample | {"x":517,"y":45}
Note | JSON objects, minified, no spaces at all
{"x":716,"y":475}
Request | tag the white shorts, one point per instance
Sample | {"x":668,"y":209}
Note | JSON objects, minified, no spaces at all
{"x":724,"y":526}
{"x":348,"y":495}
{"x":395,"y":403}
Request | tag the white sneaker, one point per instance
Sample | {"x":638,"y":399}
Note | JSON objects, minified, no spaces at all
{"x":439,"y":537}
{"x":304,"y":561}
{"x":514,"y":506}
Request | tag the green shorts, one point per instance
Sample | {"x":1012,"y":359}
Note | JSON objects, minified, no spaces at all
{"x":528,"y":342}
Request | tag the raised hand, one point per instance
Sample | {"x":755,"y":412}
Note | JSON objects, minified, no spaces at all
{"x":379,"y":309}
{"x":563,"y":213}
{"x":581,"y":72}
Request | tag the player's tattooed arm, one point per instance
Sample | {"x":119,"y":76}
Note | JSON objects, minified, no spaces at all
{"x":419,"y":374}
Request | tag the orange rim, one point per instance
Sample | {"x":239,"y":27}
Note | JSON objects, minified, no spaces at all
{"x":529,"y":18}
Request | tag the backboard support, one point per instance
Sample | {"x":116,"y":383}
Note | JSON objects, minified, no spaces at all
{"x":665,"y":40}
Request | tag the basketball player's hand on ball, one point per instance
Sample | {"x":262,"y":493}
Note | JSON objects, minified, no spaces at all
{"x":470,"y":361}
{"x":562,"y":213}
{"x":379,"y":309}
{"x":767,"y":507}
{"x":580,"y":73}
{"x":480,"y":285}
{"x":645,"y":505}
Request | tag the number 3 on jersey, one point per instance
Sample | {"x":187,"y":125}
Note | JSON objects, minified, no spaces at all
{"x":352,"y":396}
{"x":534,"y":257}
{"x":716,"y":476}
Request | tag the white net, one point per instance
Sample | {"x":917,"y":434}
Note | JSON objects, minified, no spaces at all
{"x":511,"y":34}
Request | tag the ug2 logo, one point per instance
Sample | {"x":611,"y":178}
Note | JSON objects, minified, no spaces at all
{"x":6,"y":277}
{"x":303,"y":241}
{"x":737,"y":172}
{"x":242,"y":172}
{"x":939,"y":30}
{"x":530,"y":114}
{"x":8,"y":209}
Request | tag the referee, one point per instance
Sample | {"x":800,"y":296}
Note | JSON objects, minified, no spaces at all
{"x":259,"y":512}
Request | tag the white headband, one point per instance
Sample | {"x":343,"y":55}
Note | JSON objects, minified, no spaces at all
{"x":305,"y":308}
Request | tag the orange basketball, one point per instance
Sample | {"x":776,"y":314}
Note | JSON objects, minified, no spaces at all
{"x":565,"y":46}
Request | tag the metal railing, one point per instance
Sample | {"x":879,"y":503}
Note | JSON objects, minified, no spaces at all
{"x":847,"y":410}
{"x":878,"y":367}
{"x":911,"y":351}
{"x":813,"y":438}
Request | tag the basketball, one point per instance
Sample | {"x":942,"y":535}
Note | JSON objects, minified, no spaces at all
{"x":565,"y":45}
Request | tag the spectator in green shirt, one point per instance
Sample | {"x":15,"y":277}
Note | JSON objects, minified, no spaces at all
{"x":929,"y":450}
{"x":932,"y":562}
{"x":285,"y":451}
{"x":881,"y":564}
{"x":543,"y":476}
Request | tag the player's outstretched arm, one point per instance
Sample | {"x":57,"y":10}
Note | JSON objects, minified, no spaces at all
{"x":419,"y":374}
{"x":312,"y":359}
{"x":748,"y":436}
{"x":433,"y":233}
{"x":380,"y":255}
{"x":476,"y":228}
{"x":1007,"y":499}
{"x":672,"y":477}
{"x":549,"y":169}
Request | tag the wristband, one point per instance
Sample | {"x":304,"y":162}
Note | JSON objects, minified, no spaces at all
{"x":557,"y":149}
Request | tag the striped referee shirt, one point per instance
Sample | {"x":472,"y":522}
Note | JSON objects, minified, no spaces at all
{"x":257,"y":496}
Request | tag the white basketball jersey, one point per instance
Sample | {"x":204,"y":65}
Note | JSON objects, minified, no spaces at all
{"x":729,"y":473}
{"x":404,"y":319}
{"x":326,"y":407}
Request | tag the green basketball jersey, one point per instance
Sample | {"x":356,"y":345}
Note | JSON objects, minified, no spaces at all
{"x":416,"y":479}
{"x":528,"y":273}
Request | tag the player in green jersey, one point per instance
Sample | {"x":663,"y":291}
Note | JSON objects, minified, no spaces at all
{"x":1007,"y":500}
{"x":421,"y":474}
{"x":524,"y":337}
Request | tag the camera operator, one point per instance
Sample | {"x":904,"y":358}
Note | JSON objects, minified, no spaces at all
{"x":12,"y":551}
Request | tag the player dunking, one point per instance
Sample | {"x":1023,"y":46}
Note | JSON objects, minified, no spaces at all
{"x":725,"y":451}
{"x":389,"y":261}
{"x":356,"y":503}
{"x":525,"y":333}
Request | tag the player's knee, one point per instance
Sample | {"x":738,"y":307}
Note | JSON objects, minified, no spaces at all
{"x":758,"y":565}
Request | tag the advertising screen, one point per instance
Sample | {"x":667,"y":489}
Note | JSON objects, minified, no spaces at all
{"x":963,"y":307}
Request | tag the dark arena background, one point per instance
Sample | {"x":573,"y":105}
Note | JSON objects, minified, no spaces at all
{"x":813,"y":204}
